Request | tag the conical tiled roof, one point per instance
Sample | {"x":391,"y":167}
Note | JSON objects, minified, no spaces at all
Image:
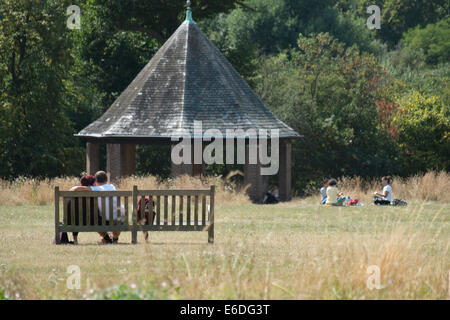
{"x":187,"y":80}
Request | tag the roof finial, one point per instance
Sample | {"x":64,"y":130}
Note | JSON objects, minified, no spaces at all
{"x":189,"y":12}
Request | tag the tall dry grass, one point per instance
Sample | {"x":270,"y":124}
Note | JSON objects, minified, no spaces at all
{"x":24,"y":191}
{"x":432,"y":186}
{"x":270,"y":257}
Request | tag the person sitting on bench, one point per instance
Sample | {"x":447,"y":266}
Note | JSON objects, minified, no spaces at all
{"x":101,"y":184}
{"x":86,"y":181}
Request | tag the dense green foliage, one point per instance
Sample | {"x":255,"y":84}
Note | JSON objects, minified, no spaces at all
{"x":368,"y":102}
{"x":327,"y":93}
{"x":433,"y":40}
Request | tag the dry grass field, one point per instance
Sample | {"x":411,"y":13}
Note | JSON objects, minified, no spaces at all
{"x":295,"y":250}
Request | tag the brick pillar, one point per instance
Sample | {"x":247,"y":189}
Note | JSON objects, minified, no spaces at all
{"x":198,"y":169}
{"x":113,"y":163}
{"x":92,"y":157}
{"x":120,"y":160}
{"x":284,"y":175}
{"x":181,"y":169}
{"x":128,"y":157}
{"x":189,"y":169}
{"x":253,"y":177}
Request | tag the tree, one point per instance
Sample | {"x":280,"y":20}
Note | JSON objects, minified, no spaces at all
{"x":328,"y":93}
{"x":398,"y":16}
{"x":274,"y":25}
{"x":433,"y":40}
{"x":35,"y":135}
{"x":423,"y":126}
{"x":156,"y":18}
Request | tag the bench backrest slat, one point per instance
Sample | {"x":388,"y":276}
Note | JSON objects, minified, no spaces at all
{"x":89,"y":200}
{"x":72,"y":211}
{"x":173,"y":209}
{"x":158,"y":210}
{"x":142,"y":200}
{"x":126,"y":211}
{"x":204,"y":210}
{"x":188,"y":210}
{"x":166,"y":210}
{"x":151,"y":209}
{"x":95,"y":213}
{"x":196,"y":210}
{"x":119,"y":211}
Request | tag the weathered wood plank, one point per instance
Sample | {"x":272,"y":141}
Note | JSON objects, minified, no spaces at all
{"x":88,"y":210}
{"x":72,"y":211}
{"x":211,"y":216}
{"x":126,"y":211}
{"x":196,"y":210}
{"x":80,"y":211}
{"x":142,"y":200}
{"x":180,"y":212}
{"x":96,"y":212}
{"x":173,"y":209}
{"x":71,"y":194}
{"x":134,"y":216}
{"x":166,"y":210}
{"x":103,"y":210}
{"x":188,"y":210}
{"x":57,"y":239}
{"x":111,"y":211}
{"x":119,"y":211}
{"x":158,"y":210}
{"x":150,"y":210}
{"x":203,"y":210}
{"x":95,"y":228}
{"x":173,"y":192}
{"x":65,"y":204}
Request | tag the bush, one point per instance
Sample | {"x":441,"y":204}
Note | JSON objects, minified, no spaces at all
{"x":423,"y":126}
{"x":434,"y":40}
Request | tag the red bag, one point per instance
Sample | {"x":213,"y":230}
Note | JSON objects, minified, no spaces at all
{"x":146,"y":211}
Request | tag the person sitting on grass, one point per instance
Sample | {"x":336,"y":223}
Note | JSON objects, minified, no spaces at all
{"x":272,"y":197}
{"x":101,"y":184}
{"x":323,"y":192}
{"x":385,"y":197}
{"x":334,"y":197}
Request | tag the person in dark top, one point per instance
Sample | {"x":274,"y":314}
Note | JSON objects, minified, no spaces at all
{"x":272,"y":197}
{"x":86,"y":181}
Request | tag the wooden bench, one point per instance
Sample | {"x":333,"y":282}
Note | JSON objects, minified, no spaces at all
{"x":176,"y":210}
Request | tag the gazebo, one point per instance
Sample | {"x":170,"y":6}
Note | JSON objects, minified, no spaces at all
{"x":187,"y":80}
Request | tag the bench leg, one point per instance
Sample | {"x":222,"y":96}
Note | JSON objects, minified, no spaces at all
{"x":211,"y":234}
{"x":134,"y":236}
{"x":57,"y":238}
